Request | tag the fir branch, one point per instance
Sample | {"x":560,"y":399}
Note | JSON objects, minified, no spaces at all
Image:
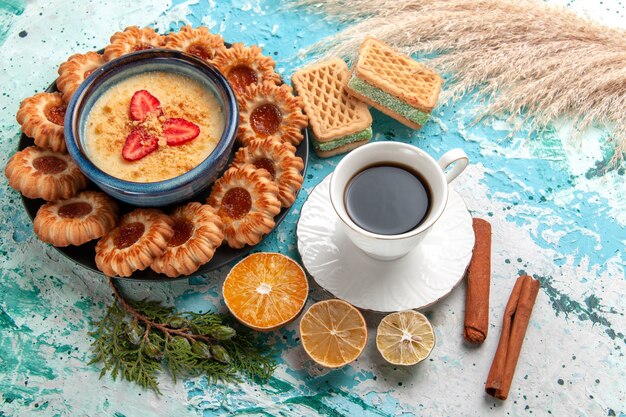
{"x":136,"y":340}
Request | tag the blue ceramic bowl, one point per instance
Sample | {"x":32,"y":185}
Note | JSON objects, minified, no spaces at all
{"x":161,"y":193}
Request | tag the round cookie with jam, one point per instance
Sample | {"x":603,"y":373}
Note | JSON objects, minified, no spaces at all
{"x":132,"y":39}
{"x":41,"y":118}
{"x":279,"y":160}
{"x":244,"y":66}
{"x":270,"y":111}
{"x":246,"y":200}
{"x":140,"y":237}
{"x":199,"y":42}
{"x":41,"y":173}
{"x":198,"y":232}
{"x":77,"y":220}
{"x":74,"y":71}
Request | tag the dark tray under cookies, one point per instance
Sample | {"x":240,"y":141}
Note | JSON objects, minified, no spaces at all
{"x":84,"y":255}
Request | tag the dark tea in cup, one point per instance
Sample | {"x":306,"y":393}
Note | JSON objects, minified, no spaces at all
{"x":387,"y":199}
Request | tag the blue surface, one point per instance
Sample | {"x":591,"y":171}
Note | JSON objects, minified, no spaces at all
{"x":557,"y":208}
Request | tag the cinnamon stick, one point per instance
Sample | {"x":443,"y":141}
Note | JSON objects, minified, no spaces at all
{"x":516,"y":318}
{"x":478,"y":279}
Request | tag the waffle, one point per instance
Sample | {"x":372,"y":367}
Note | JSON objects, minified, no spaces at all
{"x":340,"y":149}
{"x":394,"y":83}
{"x":338,"y":122}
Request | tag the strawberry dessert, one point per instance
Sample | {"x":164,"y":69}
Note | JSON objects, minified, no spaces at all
{"x":153,"y":127}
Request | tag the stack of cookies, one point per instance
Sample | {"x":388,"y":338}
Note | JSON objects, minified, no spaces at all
{"x":336,"y":101}
{"x":264,"y":177}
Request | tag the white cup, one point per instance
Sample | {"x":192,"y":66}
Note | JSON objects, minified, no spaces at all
{"x":389,"y":247}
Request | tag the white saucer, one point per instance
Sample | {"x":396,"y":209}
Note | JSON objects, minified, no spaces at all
{"x":419,"y":279}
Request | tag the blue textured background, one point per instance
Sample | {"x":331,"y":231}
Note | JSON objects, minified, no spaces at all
{"x":558,"y":212}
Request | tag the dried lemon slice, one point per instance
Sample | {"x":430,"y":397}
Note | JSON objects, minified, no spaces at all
{"x":265,"y":291}
{"x":405,"y":338}
{"x":333,"y":333}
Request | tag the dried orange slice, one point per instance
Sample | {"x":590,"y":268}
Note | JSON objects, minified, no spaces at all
{"x":265,"y":291}
{"x":333,"y":333}
{"x":405,"y":337}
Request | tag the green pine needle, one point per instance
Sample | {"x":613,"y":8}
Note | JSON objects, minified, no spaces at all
{"x":164,"y":341}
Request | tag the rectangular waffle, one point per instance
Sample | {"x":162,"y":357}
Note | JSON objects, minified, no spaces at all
{"x":338,"y":122}
{"x":394,"y":83}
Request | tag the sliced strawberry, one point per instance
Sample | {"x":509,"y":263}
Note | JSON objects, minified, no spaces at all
{"x":179,"y":131}
{"x":143,"y":103}
{"x":139,"y":143}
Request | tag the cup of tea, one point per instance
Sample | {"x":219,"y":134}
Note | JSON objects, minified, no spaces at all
{"x":388,"y":195}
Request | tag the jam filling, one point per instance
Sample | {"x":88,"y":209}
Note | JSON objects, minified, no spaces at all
{"x":142,"y":47}
{"x":265,"y":119}
{"x":266,"y":164}
{"x":236,"y":203}
{"x":183,"y":229}
{"x":49,"y":164}
{"x":242,"y":76}
{"x":128,"y":234}
{"x":74,"y":210}
{"x":55,"y":114}
{"x":201,"y":51}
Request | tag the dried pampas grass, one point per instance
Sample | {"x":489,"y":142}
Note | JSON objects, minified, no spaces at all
{"x":532,"y":60}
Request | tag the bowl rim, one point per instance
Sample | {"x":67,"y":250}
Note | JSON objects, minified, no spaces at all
{"x":95,"y":79}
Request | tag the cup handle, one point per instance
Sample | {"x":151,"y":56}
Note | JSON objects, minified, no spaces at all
{"x":454,"y":156}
